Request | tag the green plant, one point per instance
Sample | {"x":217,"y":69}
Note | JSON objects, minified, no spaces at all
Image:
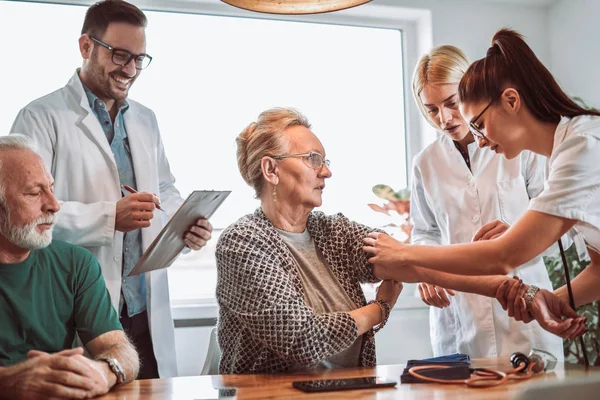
{"x":592,"y":338}
{"x":387,"y":193}
{"x":397,"y":206}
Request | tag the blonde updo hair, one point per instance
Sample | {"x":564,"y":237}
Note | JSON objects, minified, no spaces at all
{"x":442,"y":65}
{"x":265,"y":138}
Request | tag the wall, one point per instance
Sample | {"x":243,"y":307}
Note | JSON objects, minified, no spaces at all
{"x":574,"y":33}
{"x":470,"y":24}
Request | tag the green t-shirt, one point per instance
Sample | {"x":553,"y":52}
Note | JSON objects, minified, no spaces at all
{"x":56,"y":292}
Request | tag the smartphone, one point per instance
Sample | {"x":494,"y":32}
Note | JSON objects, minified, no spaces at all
{"x":343,"y":384}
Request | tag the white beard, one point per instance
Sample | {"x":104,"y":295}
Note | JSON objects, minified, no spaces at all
{"x":27,"y":237}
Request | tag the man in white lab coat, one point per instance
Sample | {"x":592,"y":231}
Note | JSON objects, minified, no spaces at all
{"x":96,"y":141}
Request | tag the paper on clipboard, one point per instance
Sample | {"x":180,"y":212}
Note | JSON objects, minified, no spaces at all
{"x":169,"y":243}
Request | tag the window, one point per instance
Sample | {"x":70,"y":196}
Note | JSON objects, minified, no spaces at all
{"x":211,"y":76}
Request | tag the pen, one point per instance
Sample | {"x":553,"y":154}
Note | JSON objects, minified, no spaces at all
{"x":132,"y":190}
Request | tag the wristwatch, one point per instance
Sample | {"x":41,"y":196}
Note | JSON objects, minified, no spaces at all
{"x":115,"y":367}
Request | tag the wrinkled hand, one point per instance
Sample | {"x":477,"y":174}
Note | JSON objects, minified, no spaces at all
{"x":389,"y":291}
{"x":383,"y":249}
{"x":435,"y":296}
{"x":135,"y":211}
{"x":510,"y":295}
{"x":491,"y":230}
{"x":44,"y":376}
{"x":198,"y":234}
{"x":547,"y":309}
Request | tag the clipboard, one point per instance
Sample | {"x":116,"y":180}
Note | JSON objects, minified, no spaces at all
{"x":167,"y":246}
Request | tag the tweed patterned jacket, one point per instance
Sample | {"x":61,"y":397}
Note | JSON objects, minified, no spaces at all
{"x":265,"y":325}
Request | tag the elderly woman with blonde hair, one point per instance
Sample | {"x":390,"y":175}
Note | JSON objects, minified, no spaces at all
{"x":289,"y":277}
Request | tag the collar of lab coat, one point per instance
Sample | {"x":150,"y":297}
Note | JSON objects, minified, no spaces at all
{"x":140,"y":131}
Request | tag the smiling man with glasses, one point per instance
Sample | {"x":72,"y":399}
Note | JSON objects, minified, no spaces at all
{"x":95,"y":140}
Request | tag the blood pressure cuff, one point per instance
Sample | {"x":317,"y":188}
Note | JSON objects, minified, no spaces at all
{"x":459,"y":364}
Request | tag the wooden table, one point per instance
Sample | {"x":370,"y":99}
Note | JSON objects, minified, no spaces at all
{"x":280,"y":386}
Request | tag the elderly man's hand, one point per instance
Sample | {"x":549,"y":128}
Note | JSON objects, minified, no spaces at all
{"x":198,"y":234}
{"x":43,"y":376}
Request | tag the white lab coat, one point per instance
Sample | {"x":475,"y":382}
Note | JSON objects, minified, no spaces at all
{"x":74,"y":147}
{"x":448,"y":205}
{"x":573,"y":186}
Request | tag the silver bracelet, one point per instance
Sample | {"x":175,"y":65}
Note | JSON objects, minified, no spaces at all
{"x":530,"y":294}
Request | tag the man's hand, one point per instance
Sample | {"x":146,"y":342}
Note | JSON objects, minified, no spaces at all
{"x":389,"y":291}
{"x":198,"y":234}
{"x":491,"y":230}
{"x":135,"y":211}
{"x":434,"y":295}
{"x":43,"y":376}
{"x":100,"y":374}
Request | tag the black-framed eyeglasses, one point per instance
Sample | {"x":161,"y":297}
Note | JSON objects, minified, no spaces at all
{"x":312,"y":159}
{"x":123,"y":57}
{"x":474,"y":127}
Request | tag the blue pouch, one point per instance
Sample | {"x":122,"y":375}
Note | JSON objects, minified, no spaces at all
{"x":460,"y":368}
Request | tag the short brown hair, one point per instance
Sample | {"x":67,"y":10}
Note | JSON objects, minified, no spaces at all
{"x":510,"y":62}
{"x":265,"y":138}
{"x":101,"y":14}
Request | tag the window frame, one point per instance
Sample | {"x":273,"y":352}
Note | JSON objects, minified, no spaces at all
{"x":416,"y":27}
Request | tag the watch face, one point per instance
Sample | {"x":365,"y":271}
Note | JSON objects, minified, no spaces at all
{"x":115,"y":367}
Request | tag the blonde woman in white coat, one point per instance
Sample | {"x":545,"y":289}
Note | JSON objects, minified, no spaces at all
{"x":461,"y":193}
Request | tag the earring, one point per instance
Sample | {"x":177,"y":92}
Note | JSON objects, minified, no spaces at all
{"x":275,"y":194}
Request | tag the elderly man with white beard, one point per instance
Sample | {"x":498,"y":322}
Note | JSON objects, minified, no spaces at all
{"x":50,"y":291}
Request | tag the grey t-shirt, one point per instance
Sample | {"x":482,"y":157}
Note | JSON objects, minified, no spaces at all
{"x":322,"y":292}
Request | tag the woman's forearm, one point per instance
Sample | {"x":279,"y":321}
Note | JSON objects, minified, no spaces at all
{"x":366,"y":317}
{"x":480,"y":258}
{"x":533,"y":233}
{"x":586,"y":286}
{"x":482,"y":285}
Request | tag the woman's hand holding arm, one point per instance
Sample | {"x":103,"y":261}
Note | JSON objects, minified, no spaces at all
{"x":519,"y":244}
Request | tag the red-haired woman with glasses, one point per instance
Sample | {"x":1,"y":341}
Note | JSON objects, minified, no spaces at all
{"x":513,"y":102}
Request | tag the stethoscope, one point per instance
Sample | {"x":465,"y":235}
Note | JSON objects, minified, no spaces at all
{"x":523,"y":368}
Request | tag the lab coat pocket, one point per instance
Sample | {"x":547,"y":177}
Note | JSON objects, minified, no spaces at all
{"x":512,"y":199}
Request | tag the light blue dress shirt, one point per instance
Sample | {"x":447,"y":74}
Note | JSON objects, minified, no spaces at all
{"x":133,"y":288}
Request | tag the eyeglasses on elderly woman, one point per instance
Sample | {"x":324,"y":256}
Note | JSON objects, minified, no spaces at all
{"x":312,"y":159}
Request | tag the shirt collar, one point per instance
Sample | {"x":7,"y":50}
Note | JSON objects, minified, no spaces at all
{"x":560,"y":133}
